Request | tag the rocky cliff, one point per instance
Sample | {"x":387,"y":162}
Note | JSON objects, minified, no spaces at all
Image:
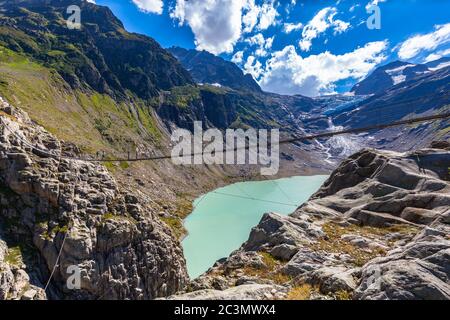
{"x":377,"y":229}
{"x":205,"y":67}
{"x":58,"y":214}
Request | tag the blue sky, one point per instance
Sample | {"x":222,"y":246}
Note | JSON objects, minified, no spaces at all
{"x":308,"y":47}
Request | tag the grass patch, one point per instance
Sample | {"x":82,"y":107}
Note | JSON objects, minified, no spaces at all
{"x":114,"y":217}
{"x":300,"y":292}
{"x":110,"y":166}
{"x":343,"y":295}
{"x":182,"y":97}
{"x":50,"y":234}
{"x":176,"y":225}
{"x":14,"y":256}
{"x":124,"y":165}
{"x":184,"y":207}
{"x":92,"y":121}
{"x":270,"y":271}
{"x":334,"y":244}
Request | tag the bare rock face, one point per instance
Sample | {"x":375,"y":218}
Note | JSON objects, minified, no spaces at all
{"x":244,"y":292}
{"x":377,"y":229}
{"x":73,"y":214}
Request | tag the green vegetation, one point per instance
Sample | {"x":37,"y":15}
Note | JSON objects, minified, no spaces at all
{"x":183,"y":208}
{"x":114,"y":217}
{"x":333,"y":242}
{"x":270,"y":271}
{"x":14,"y":256}
{"x":300,"y":292}
{"x":176,"y":224}
{"x":124,"y":165}
{"x":93,"y":121}
{"x":182,"y":97}
{"x":50,"y":234}
{"x":343,"y":295}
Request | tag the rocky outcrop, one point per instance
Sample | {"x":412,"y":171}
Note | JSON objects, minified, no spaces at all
{"x":244,"y":292}
{"x":377,"y":229}
{"x":66,"y":217}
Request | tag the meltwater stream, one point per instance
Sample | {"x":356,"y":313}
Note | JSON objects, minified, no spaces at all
{"x":222,"y":219}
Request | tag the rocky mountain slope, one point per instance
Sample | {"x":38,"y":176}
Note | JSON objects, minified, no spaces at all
{"x":88,"y":57}
{"x":104,"y":92}
{"x":108,"y":90}
{"x":377,"y":229}
{"x":394,"y":73}
{"x":207,"y":68}
{"x":427,"y":94}
{"x":57,"y":212}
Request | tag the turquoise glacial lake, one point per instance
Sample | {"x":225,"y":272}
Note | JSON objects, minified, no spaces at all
{"x":222,"y":219}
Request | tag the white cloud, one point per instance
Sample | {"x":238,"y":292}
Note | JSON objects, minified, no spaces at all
{"x":374,"y":3}
{"x":340,"y":26}
{"x":216,"y":24}
{"x":321,"y":22}
{"x":353,"y":7}
{"x":291,"y":27}
{"x":150,"y":6}
{"x":290,"y":6}
{"x":437,"y":55}
{"x":267,"y":17}
{"x":219,"y":24}
{"x":260,"y":17}
{"x":91,"y":1}
{"x":238,"y":57}
{"x":253,"y":67}
{"x":263,"y":44}
{"x":425,"y":42}
{"x":288,"y":73}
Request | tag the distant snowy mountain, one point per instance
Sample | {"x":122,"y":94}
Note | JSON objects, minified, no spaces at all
{"x":439,"y":64}
{"x":395,"y":73}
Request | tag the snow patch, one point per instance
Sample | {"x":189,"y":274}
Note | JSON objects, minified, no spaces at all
{"x":397,"y":73}
{"x":440,"y":66}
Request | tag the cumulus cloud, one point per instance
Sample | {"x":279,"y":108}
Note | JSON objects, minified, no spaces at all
{"x":340,"y":26}
{"x":321,"y":22}
{"x":291,"y":27}
{"x":253,"y":67}
{"x":216,"y":24}
{"x":260,"y":17}
{"x":150,"y":6}
{"x":262,"y":44}
{"x":425,"y":42}
{"x":219,"y":24}
{"x":267,"y":17}
{"x":286,"y":72}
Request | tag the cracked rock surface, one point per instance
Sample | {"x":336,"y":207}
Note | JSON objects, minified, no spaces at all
{"x":377,"y":229}
{"x":52,"y":205}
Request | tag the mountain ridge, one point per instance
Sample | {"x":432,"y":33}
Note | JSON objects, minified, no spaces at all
{"x":85,"y":56}
{"x":210,"y":69}
{"x":394,"y":73}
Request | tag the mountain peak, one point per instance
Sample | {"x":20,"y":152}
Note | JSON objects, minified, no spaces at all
{"x":386,"y":76}
{"x":88,"y":58}
{"x":208,"y":68}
